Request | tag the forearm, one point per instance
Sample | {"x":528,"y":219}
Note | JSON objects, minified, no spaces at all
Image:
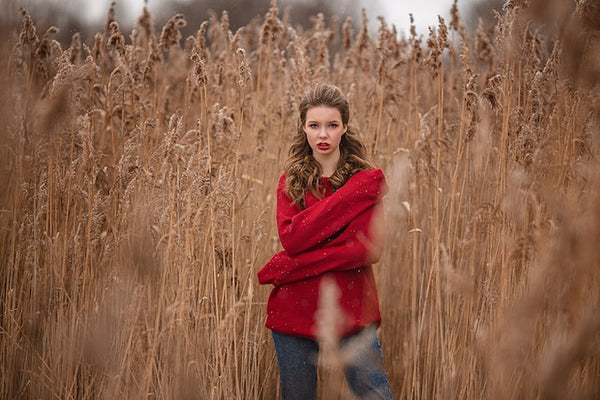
{"x":283,"y":268}
{"x":351,"y":249}
{"x":304,"y":230}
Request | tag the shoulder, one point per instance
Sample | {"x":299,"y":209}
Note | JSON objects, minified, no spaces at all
{"x":282,"y":178}
{"x":369,"y":174}
{"x":374,"y":176}
{"x":282,"y":183}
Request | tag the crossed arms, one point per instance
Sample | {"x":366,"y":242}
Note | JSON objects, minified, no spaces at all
{"x":343,"y":231}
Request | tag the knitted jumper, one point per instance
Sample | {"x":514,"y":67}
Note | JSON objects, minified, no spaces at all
{"x":323,"y":241}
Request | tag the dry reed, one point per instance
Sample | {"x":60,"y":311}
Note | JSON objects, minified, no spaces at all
{"x":137,"y":203}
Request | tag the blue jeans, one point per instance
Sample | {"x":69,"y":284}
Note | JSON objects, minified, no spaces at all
{"x":297,"y":358}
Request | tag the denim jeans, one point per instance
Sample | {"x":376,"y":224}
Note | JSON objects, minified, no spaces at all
{"x":298,"y":357}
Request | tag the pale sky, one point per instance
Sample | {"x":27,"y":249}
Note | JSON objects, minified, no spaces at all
{"x":395,"y":12}
{"x":425,"y":12}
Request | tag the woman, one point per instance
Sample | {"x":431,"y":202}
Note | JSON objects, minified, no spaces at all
{"x":329,"y":217}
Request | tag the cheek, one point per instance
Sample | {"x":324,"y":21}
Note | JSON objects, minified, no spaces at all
{"x":306,"y":134}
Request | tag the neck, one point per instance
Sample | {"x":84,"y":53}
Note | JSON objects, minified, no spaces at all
{"x":328,"y":163}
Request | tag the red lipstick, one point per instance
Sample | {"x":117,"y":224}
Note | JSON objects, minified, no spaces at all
{"x":323,"y":146}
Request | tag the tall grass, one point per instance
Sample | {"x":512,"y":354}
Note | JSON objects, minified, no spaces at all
{"x":138,"y":177}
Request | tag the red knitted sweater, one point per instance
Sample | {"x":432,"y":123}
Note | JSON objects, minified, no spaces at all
{"x":322,"y":241}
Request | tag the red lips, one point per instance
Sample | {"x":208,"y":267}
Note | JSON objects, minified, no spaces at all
{"x":323,"y":146}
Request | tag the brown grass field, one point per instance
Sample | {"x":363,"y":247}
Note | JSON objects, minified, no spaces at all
{"x":137,"y":204}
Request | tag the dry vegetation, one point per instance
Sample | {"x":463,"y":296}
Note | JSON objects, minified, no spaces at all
{"x":137,"y":203}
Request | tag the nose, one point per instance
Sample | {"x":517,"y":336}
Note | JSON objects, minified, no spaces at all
{"x":322,"y":132}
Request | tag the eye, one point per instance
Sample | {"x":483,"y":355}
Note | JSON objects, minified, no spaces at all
{"x":333,"y":125}
{"x":313,"y":125}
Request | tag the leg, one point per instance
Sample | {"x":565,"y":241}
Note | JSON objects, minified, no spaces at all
{"x":297,"y":358}
{"x":364,"y":369}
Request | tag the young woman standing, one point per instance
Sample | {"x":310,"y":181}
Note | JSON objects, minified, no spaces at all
{"x":329,"y":220}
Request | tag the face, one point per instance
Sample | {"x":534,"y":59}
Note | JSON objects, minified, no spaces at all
{"x":324,"y":130}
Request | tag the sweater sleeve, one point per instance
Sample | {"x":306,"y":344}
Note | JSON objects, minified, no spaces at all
{"x":300,"y":230}
{"x":345,"y":252}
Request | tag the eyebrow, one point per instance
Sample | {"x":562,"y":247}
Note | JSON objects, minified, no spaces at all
{"x":333,"y":120}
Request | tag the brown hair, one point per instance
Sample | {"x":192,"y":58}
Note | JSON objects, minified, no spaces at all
{"x":301,"y":169}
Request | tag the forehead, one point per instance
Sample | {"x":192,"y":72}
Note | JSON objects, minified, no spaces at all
{"x":323,"y":113}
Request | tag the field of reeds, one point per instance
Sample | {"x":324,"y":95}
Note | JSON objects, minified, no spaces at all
{"x":137,"y":204}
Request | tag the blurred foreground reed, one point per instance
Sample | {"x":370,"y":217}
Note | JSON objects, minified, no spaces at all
{"x":138,"y":177}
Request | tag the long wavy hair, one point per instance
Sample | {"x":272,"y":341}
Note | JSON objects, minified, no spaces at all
{"x":302,"y":170}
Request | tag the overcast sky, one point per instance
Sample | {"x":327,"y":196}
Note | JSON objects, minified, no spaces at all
{"x":395,"y":12}
{"x":425,"y":12}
